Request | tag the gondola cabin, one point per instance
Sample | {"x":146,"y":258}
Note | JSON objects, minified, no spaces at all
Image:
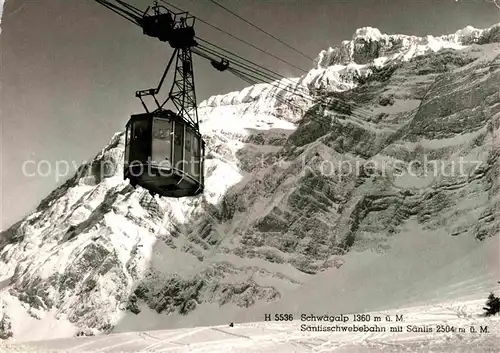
{"x":164,"y":154}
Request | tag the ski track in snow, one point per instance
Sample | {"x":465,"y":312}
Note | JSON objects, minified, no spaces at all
{"x":287,"y":336}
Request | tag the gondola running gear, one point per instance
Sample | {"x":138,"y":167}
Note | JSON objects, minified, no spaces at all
{"x":221,"y":65}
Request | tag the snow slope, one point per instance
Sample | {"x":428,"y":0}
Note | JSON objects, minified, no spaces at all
{"x":452,"y":316}
{"x":283,"y":225}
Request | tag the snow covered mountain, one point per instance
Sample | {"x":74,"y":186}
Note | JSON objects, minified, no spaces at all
{"x":369,"y":45}
{"x":312,"y":198}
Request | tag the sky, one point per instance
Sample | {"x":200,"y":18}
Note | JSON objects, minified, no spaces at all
{"x":70,"y":68}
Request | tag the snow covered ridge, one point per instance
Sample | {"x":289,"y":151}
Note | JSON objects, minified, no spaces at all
{"x":340,"y":69}
{"x":370,"y":45}
{"x":260,"y":106}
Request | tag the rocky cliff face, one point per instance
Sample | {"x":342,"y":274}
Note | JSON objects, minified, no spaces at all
{"x":292,"y":184}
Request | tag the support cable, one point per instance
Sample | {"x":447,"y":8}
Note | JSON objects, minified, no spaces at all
{"x":237,"y":38}
{"x":260,"y":29}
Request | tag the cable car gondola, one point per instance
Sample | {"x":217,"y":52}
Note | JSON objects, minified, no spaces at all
{"x":164,"y":154}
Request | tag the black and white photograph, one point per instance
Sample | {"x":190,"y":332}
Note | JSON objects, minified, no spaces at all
{"x":273,"y":176}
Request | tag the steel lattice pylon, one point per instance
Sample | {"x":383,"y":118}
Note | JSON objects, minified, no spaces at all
{"x":182,"y":93}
